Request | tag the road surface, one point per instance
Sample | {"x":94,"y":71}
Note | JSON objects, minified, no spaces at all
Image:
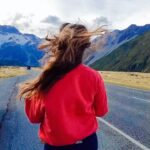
{"x":126,"y":127}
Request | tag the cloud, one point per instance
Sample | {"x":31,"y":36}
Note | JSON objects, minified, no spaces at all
{"x":22,"y":22}
{"x":17,"y":17}
{"x":54,"y":20}
{"x":101,"y":21}
{"x":48,"y":16}
{"x":73,"y":9}
{"x":23,"y":27}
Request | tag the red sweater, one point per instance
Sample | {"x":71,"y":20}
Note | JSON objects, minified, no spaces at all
{"x":68,"y":112}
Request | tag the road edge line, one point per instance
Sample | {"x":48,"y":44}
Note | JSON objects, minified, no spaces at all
{"x":137,"y":143}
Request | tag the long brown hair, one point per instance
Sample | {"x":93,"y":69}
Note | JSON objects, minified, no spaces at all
{"x":67,"y":50}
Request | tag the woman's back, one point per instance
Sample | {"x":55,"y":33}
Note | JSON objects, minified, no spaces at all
{"x":70,"y":107}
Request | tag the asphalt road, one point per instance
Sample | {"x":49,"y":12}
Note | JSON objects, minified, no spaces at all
{"x":126,"y":127}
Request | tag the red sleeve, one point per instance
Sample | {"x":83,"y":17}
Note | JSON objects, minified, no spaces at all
{"x":35,"y":110}
{"x":100,"y":98}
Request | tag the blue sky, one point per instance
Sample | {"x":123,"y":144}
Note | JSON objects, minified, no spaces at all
{"x":42,"y":16}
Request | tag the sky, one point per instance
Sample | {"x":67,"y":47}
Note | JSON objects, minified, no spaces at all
{"x":42,"y":16}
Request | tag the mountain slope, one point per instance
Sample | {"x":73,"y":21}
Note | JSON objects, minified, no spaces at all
{"x":131,"y":56}
{"x":115,"y":39}
{"x":18,"y":49}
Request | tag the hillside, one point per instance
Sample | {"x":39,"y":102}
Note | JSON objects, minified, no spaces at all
{"x":115,"y":39}
{"x":131,"y":56}
{"x":18,"y":49}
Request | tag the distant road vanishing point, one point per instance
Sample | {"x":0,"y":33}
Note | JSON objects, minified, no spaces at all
{"x":126,"y":127}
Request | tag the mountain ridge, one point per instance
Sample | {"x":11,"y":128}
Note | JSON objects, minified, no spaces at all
{"x":115,"y":39}
{"x":19,"y":49}
{"x":131,"y":56}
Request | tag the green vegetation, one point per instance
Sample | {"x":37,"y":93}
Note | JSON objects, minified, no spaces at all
{"x":132,"y":56}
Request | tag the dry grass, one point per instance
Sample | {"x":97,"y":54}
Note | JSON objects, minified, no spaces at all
{"x":37,"y":68}
{"x":130,"y":79}
{"x":6,"y":72}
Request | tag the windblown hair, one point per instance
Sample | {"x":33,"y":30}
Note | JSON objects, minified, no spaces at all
{"x":67,"y":49}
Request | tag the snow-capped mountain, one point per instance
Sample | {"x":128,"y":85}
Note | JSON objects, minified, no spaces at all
{"x":18,"y":49}
{"x":114,"y":39}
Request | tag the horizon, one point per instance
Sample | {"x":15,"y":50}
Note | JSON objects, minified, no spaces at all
{"x":43,"y":37}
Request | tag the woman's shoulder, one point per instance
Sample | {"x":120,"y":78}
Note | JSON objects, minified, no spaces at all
{"x":90,"y":70}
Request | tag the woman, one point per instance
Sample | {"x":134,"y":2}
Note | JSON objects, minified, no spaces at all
{"x":68,"y":95}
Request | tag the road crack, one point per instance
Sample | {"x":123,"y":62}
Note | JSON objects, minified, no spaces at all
{"x":8,"y":106}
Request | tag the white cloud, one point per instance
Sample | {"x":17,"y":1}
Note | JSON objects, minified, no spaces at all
{"x":101,"y":21}
{"x":40,"y":16}
{"x":54,"y":20}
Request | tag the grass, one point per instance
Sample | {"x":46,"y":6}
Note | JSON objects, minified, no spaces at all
{"x":9,"y":71}
{"x":129,"y":79}
{"x":37,"y":68}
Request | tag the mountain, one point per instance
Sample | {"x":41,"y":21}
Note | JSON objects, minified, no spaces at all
{"x":18,"y":49}
{"x":6,"y":29}
{"x":114,"y":39}
{"x":130,"y":56}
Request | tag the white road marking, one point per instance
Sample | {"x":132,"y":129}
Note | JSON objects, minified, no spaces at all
{"x":137,"y":143}
{"x":141,"y":99}
{"x":129,"y":88}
